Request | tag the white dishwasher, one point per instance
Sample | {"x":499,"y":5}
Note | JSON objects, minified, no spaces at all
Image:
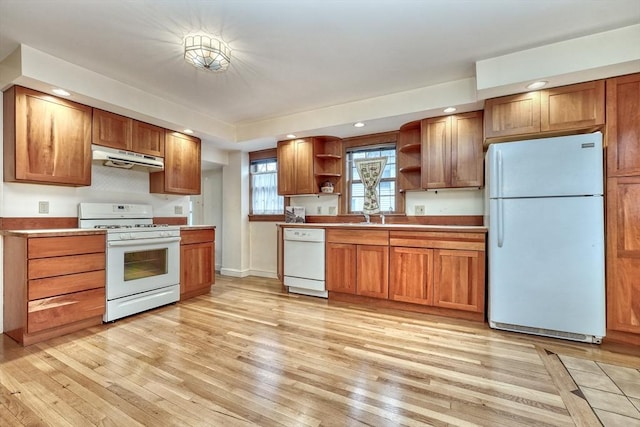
{"x":304,"y":261}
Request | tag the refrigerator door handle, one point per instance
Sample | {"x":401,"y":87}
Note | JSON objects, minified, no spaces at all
{"x":500,"y":222}
{"x":498,"y":172}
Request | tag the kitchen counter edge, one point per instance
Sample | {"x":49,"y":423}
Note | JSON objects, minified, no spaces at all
{"x":53,"y":232}
{"x":390,"y":227}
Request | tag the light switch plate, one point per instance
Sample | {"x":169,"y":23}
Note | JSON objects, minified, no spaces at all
{"x":43,"y":207}
{"x":319,"y":210}
{"x":177,"y":209}
{"x":332,"y":210}
{"x":419,"y":209}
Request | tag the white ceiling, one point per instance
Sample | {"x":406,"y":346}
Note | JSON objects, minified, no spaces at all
{"x":293,"y":56}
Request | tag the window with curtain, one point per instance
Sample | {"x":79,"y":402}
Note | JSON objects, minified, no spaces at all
{"x":264,"y":187}
{"x":387,"y":185}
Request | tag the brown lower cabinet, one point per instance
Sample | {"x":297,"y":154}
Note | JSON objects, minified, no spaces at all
{"x":442,"y":272}
{"x":197,"y":262}
{"x":53,"y":284}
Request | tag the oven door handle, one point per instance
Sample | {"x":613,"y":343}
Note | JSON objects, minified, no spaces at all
{"x":138,"y":242}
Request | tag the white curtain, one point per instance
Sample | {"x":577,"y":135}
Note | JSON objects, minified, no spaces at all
{"x":370,"y":171}
{"x":265,"y":199}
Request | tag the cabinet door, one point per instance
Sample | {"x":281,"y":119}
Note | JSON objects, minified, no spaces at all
{"x":467,"y":168}
{"x":436,"y":152}
{"x":623,"y":254}
{"x":340,"y":267}
{"x":62,"y":310}
{"x":372,"y":271}
{"x":512,"y":115}
{"x":572,"y":107}
{"x":286,"y":154}
{"x":52,"y":139}
{"x":147,"y":139}
{"x":305,"y":179}
{"x":411,"y":275}
{"x":623,"y":126}
{"x":196,"y":268}
{"x":111,"y":130}
{"x":459,"y":280}
{"x":182,"y":166}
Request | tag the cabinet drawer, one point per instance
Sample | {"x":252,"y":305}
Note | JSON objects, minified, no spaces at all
{"x":196,"y":236}
{"x":59,"y":266}
{"x":438,"y":240}
{"x":52,"y":312}
{"x":42,"y":247}
{"x":52,"y":286}
{"x":358,"y":237}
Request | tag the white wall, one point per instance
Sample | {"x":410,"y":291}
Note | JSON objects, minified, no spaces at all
{"x":207,"y":207}
{"x":235,"y":216}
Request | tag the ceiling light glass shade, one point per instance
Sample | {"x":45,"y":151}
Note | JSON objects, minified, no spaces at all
{"x":207,"y":53}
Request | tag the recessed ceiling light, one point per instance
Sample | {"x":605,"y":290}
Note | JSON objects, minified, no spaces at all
{"x":291,"y":136}
{"x":537,"y":85}
{"x":61,"y":92}
{"x":358,"y":124}
{"x":450,"y":110}
{"x":189,"y":131}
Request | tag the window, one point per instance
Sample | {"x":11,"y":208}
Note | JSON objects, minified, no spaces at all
{"x":264,"y":184}
{"x":387,"y":186}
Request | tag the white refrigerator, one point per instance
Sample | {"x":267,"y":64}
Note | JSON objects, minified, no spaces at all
{"x":546,"y":237}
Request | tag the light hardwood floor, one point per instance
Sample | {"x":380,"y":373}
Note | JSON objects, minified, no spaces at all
{"x":248,"y":354}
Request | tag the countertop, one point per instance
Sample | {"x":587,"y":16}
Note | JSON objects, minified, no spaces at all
{"x":197,"y":227}
{"x":53,"y":232}
{"x":391,"y":227}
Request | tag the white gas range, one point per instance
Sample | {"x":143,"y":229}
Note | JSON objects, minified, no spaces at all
{"x":143,"y":258}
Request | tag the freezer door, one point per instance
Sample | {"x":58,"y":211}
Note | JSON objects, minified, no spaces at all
{"x":546,"y":264}
{"x":563,"y":166}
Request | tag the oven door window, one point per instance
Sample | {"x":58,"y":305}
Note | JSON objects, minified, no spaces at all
{"x":145,"y":263}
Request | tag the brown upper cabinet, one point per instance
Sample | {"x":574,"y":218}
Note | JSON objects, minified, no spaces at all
{"x":327,"y":162}
{"x":113,"y":130}
{"x":557,"y":110}
{"x":623,"y":126}
{"x":47,"y":140}
{"x":295,"y":167}
{"x":182,"y":167}
{"x":452,"y":151}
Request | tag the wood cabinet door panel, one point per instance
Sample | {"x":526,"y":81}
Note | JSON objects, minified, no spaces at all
{"x":188,"y":237}
{"x":467,"y":166}
{"x":623,"y":125}
{"x":436,"y":153}
{"x":147,"y":139}
{"x":58,"y":266}
{"x":197,"y":266}
{"x":61,"y":310}
{"x":372,"y":269}
{"x":52,"y":286}
{"x":111,"y":130}
{"x":52,"y":140}
{"x":512,"y":115}
{"x":340,"y":267}
{"x":43,"y":247}
{"x":370,"y":237}
{"x":182,"y":166}
{"x":457,"y":282}
{"x":411,"y":275}
{"x":572,"y":107}
{"x":305,"y":179}
{"x":286,"y":154}
{"x":623,"y":254}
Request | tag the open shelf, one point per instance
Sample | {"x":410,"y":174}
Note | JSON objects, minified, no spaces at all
{"x":328,"y":156}
{"x":414,"y":168}
{"x":411,"y":148}
{"x":328,"y":174}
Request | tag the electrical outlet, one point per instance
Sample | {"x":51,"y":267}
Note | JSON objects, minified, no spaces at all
{"x":177,"y":209}
{"x":332,"y":210}
{"x":43,"y":207}
{"x":419,"y":209}
{"x":319,"y":210}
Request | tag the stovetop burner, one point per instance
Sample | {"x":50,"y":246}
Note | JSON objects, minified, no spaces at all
{"x":115,"y":226}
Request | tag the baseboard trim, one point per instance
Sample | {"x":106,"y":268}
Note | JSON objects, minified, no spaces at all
{"x":263,"y":273}
{"x":233,"y":272}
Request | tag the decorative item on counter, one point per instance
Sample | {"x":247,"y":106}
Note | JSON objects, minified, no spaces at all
{"x":327,"y":187}
{"x":294,"y":214}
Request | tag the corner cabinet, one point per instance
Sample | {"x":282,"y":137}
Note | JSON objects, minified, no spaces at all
{"x":124,"y":133}
{"x":53,"y":284}
{"x":452,"y":151}
{"x":556,"y":111}
{"x":182,"y":166}
{"x":197,"y":261}
{"x":623,"y":209}
{"x":409,"y":157}
{"x":47,"y":140}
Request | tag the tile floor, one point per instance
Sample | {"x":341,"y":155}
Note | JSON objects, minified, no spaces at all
{"x":612,"y":391}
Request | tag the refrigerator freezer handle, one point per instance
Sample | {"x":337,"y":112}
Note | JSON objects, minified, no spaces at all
{"x":498,"y":172}
{"x":500,"y":222}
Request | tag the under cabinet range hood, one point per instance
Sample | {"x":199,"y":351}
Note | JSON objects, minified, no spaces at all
{"x":126,"y":159}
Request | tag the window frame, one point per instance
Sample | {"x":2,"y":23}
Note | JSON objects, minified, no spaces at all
{"x":268,"y":154}
{"x":362,"y":142}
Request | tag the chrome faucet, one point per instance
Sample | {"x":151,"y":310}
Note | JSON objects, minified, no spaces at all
{"x":367,"y":218}
{"x":382,"y":217}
